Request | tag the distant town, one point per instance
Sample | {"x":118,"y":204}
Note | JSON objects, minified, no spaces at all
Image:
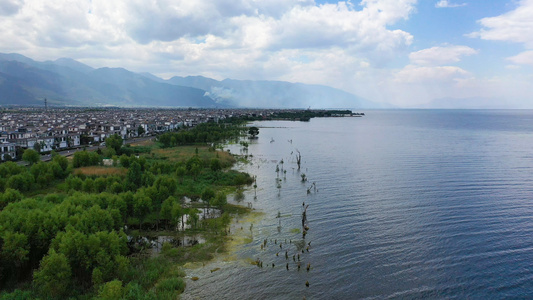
{"x":60,"y":128}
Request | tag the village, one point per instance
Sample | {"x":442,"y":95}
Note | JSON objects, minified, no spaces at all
{"x":58,"y":129}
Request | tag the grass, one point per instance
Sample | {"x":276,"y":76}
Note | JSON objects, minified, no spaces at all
{"x":143,"y":143}
{"x":100,"y":171}
{"x":183,"y":153}
{"x":52,"y":187}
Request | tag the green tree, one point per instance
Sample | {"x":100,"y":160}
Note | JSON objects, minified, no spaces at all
{"x":10,"y":168}
{"x":165,"y":186}
{"x":17,"y":295}
{"x":88,"y":185}
{"x":166,"y":208}
{"x":195,"y":171}
{"x":129,"y":200}
{"x":42,"y":173}
{"x":94,"y":220}
{"x":115,"y":188}
{"x":141,"y":208}
{"x":99,"y":185}
{"x":220,"y":200}
{"x":84,"y":159}
{"x":140,"y":130}
{"x":15,"y":248}
{"x":180,"y":172}
{"x":97,"y":277}
{"x":22,"y":182}
{"x":85,"y":139}
{"x":9,"y":196}
{"x":208,"y":194}
{"x":56,"y":170}
{"x":112,"y":290}
{"x":94,"y":159}
{"x":124,"y":161}
{"x":134,"y":176}
{"x":165,"y":139}
{"x":193,"y":217}
{"x":215,"y":165}
{"x":253,"y":131}
{"x":133,"y":291}
{"x":61,"y":160}
{"x":37,"y":147}
{"x":74,"y":183}
{"x":114,"y":142}
{"x":31,"y":156}
{"x":176,"y":213}
{"x":19,"y":152}
{"x":148,"y":178}
{"x":107,"y":152}
{"x":54,"y":275}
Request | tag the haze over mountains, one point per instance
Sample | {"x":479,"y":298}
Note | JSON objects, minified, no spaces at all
{"x":65,"y":81}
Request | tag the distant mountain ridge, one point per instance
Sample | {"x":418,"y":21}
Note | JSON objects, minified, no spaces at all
{"x":65,"y":81}
{"x":265,"y":94}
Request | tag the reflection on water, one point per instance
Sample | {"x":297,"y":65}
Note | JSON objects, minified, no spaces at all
{"x":155,"y":243}
{"x":184,"y":241}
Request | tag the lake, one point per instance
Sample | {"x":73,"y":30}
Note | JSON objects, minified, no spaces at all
{"x":408,"y":204}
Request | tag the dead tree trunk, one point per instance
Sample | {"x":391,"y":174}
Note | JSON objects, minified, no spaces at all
{"x":304,"y":218}
{"x":298,"y":159}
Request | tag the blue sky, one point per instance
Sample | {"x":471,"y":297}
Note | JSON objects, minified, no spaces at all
{"x":406,"y":53}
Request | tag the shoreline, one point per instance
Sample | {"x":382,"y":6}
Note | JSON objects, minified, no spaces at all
{"x":198,"y":273}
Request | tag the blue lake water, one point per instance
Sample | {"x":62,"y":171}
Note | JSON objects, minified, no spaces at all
{"x":410,"y":204}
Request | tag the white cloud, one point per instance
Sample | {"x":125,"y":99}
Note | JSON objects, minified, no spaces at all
{"x":339,"y":25}
{"x":524,"y":58}
{"x":440,"y":55}
{"x":338,"y":45}
{"x":447,"y":4}
{"x":513,"y":26}
{"x":420,"y":75}
{"x":388,"y":11}
{"x":162,"y":26}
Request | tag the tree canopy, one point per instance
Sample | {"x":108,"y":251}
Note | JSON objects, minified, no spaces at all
{"x":31,"y":156}
{"x":253,"y":131}
{"x":114,"y":142}
{"x":64,"y":226}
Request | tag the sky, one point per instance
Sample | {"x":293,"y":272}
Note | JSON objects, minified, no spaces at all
{"x":406,"y":53}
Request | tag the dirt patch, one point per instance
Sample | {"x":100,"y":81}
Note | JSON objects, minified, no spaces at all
{"x":143,"y":143}
{"x":101,"y":171}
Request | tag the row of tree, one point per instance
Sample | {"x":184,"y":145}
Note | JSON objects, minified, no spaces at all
{"x":301,"y":115}
{"x":37,"y":176}
{"x":202,"y":133}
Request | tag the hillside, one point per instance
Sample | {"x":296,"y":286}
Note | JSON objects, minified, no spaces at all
{"x":65,"y":81}
{"x":68,"y":82}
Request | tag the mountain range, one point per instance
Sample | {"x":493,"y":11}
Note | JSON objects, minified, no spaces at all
{"x":67,"y":82}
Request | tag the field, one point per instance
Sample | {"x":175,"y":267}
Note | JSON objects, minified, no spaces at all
{"x":100,"y":171}
{"x":183,"y":153}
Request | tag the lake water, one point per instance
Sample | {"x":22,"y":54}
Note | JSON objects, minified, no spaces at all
{"x":410,"y":204}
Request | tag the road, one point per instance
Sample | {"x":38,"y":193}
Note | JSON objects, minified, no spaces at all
{"x":48,"y":157}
